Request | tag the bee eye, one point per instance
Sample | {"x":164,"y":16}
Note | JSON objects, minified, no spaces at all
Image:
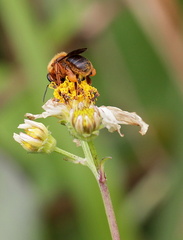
{"x":49,"y":77}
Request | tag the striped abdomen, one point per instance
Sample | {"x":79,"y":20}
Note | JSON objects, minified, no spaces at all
{"x":79,"y":64}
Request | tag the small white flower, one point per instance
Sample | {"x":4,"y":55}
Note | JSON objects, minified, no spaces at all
{"x":36,"y":138}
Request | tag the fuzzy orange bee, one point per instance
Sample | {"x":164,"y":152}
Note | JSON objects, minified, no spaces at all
{"x":71,"y":65}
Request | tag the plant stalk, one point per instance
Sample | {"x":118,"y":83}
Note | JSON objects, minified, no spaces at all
{"x":70,"y":156}
{"x":109,"y":210}
{"x":97,"y":168}
{"x":89,"y":158}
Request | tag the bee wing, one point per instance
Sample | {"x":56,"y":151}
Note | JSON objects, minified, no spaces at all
{"x":73,"y":53}
{"x":76,"y":52}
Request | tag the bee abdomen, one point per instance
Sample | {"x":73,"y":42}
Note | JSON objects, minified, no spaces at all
{"x":80,"y":63}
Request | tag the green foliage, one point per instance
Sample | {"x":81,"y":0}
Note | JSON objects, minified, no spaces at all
{"x":43,"y":197}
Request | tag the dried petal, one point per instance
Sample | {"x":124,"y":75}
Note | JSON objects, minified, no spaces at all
{"x":112,"y":117}
{"x":52,"y":108}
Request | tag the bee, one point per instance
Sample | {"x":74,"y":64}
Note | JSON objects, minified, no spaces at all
{"x":71,"y":65}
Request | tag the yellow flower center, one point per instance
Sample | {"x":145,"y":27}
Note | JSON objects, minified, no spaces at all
{"x":84,"y":122}
{"x":68,"y":91}
{"x":84,"y":112}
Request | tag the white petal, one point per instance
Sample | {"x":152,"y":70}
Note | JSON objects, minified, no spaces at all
{"x":26,"y":138}
{"x":109,"y":120}
{"x":112,"y":117}
{"x":27,"y":124}
{"x":52,"y":108}
{"x":34,"y":116}
{"x":23,"y":126}
{"x":17,"y":137}
{"x":124,"y":117}
{"x":37,"y":125}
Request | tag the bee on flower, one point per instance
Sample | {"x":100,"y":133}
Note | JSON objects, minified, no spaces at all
{"x":74,"y":105}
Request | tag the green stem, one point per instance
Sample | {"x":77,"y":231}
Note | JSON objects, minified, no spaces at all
{"x":89,"y":158}
{"x":94,"y":154}
{"x":70,"y":156}
{"x":98,"y":170}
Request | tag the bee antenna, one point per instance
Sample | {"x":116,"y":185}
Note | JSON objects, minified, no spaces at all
{"x":45,"y":92}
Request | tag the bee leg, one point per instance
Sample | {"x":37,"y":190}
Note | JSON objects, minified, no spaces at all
{"x":76,"y":87}
{"x":58,"y":74}
{"x":93,"y":72}
{"x":71,"y":76}
{"x":88,"y":80}
{"x":80,"y":78}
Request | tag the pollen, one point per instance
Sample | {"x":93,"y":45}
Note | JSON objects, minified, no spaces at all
{"x":68,"y":91}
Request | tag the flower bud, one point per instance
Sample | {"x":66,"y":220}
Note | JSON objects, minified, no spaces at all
{"x":85,"y":121}
{"x":36,"y":138}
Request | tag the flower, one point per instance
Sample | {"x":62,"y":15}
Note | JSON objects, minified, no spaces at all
{"x":84,"y":120}
{"x":36,"y":138}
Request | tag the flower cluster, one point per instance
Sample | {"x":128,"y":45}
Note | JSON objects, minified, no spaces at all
{"x":74,"y":105}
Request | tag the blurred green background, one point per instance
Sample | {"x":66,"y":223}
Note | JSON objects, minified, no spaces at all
{"x":137,"y":50}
